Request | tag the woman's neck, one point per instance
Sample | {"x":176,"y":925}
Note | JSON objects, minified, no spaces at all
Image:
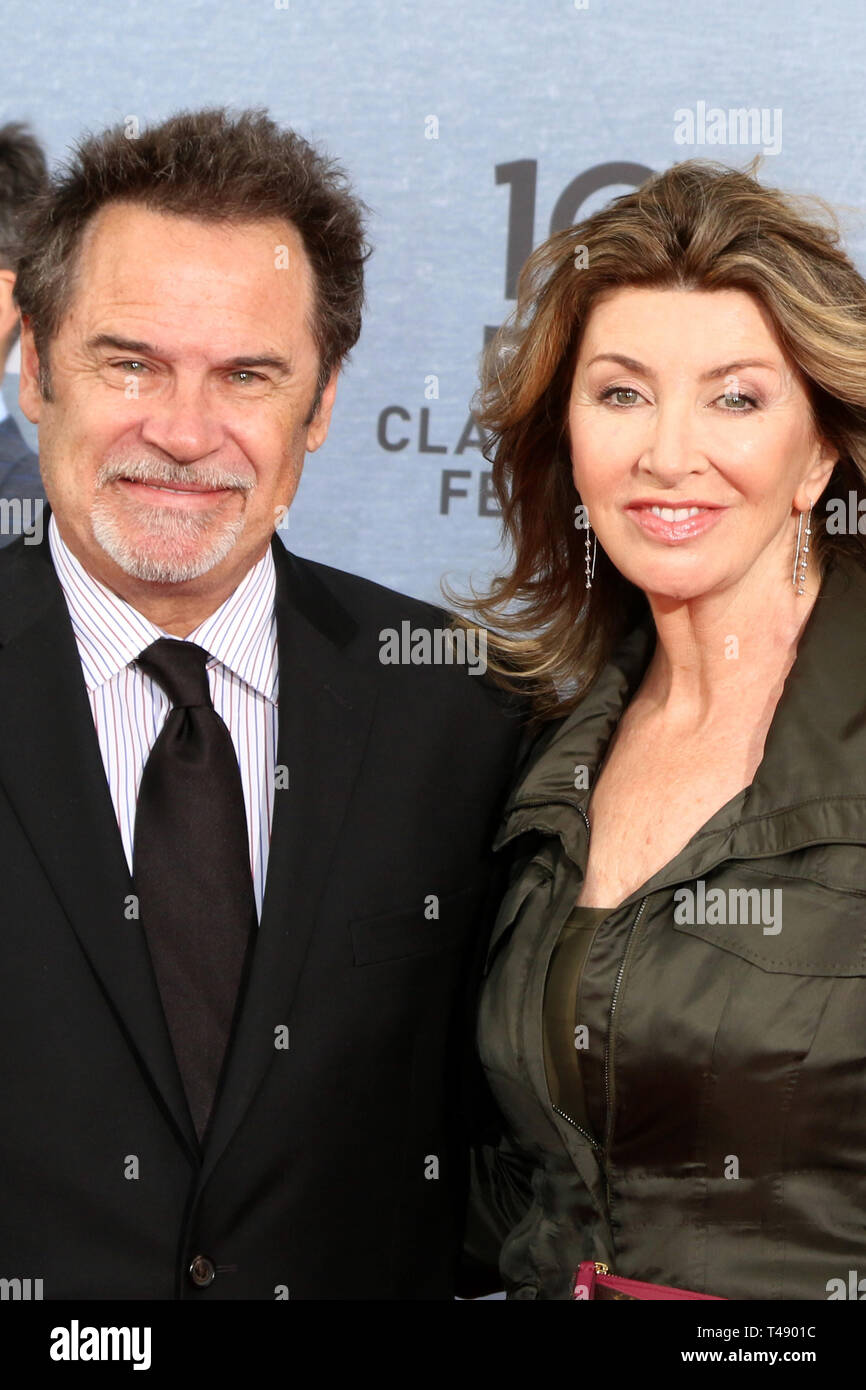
{"x":725,"y":653}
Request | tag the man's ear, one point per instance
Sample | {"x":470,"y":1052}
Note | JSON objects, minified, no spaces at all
{"x":317,"y":430}
{"x":29,"y":394}
{"x":8,"y":310}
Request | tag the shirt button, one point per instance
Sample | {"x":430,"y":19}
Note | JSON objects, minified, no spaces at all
{"x":202,"y":1271}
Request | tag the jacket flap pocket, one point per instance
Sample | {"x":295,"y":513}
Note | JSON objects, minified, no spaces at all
{"x":780,"y":922}
{"x":399,"y":935}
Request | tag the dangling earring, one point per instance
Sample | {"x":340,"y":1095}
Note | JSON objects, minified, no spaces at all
{"x":589,"y":565}
{"x":801,"y":554}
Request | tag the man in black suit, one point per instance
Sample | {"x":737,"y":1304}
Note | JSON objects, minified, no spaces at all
{"x":23,"y":175}
{"x":246,"y":800}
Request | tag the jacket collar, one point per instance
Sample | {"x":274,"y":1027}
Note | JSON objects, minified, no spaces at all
{"x":810,"y":786}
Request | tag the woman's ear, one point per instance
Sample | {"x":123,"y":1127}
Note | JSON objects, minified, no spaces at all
{"x":818,"y":477}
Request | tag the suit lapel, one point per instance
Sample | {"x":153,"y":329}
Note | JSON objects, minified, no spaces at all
{"x":52,"y":772}
{"x":51,"y":769}
{"x":325,"y":709}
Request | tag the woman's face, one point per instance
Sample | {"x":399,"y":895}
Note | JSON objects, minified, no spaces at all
{"x":692,"y":440}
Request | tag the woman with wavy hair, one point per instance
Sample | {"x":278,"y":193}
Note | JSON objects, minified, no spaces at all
{"x":673,"y":1015}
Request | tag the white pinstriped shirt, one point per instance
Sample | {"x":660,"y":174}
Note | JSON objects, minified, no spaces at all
{"x":129,"y":708}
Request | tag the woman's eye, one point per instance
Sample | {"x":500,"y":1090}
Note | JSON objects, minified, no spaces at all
{"x":613,"y":391}
{"x":738,"y":403}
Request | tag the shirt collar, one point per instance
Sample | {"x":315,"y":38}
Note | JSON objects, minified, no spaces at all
{"x":4,"y":412}
{"x":111,"y":633}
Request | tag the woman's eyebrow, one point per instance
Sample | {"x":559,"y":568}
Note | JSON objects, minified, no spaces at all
{"x":632,"y":364}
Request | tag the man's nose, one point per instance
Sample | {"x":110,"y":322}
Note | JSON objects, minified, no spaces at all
{"x":183,"y":423}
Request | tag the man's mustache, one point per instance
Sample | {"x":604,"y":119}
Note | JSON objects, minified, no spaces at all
{"x":152,"y":470}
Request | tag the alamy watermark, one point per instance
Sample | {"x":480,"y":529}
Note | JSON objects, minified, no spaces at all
{"x":852,"y":1288}
{"x":20,"y":1290}
{"x":846,"y":516}
{"x":741,"y":125}
{"x":438,"y":646}
{"x":22,"y":516}
{"x":721,"y":907}
{"x":77,"y":1343}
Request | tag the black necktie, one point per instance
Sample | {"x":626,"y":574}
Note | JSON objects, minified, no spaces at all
{"x":191,"y":869}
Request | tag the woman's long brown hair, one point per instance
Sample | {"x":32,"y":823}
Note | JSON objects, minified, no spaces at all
{"x":699,"y":225}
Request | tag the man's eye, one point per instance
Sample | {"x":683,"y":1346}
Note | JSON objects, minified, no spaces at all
{"x":249,"y":376}
{"x":127,"y":366}
{"x":620,"y":391}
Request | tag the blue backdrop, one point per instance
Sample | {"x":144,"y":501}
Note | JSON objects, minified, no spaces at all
{"x":470,"y":127}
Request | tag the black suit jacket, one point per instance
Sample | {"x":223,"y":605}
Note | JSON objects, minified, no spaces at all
{"x":335,"y":1166}
{"x":19,"y":476}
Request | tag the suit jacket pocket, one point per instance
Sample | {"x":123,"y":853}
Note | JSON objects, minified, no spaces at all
{"x":401,"y":935}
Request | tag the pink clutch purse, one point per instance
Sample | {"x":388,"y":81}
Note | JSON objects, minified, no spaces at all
{"x":593,"y":1280}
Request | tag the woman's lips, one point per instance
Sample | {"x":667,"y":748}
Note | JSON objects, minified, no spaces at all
{"x":697,"y":520}
{"x":190,"y":496}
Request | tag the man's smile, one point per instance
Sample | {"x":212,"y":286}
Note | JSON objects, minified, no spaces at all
{"x":186,"y":495}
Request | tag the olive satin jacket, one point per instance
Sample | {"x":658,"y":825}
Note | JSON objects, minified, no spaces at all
{"x":720,"y":1144}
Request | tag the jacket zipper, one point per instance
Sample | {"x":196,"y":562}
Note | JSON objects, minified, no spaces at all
{"x":580,"y":1129}
{"x":574,"y":1124}
{"x":608,"y":1087}
{"x":614,"y":997}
